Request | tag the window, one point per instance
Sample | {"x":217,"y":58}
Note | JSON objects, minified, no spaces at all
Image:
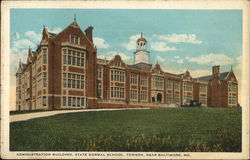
{"x":44,"y":101}
{"x":64,"y":59}
{"x":64,"y":80}
{"x":117,"y":75}
{"x":117,"y":64}
{"x":44,"y":55}
{"x":157,"y":82}
{"x":144,"y":95}
{"x":82,"y":101}
{"x":78,"y":101}
{"x":203,"y":88}
{"x":133,"y":78}
{"x":69,"y":101}
{"x":169,"y":84}
{"x":99,"y":90}
{"x":133,"y":94}
{"x":169,"y":98}
{"x":232,"y":93}
{"x":99,"y":72}
{"x":203,"y":100}
{"x":74,"y":81}
{"x":74,"y":40}
{"x":177,"y":99}
{"x":44,"y":79}
{"x":64,"y":101}
{"x":188,"y":86}
{"x":176,"y":85}
{"x":144,"y":80}
{"x":74,"y":101}
{"x":117,"y":92}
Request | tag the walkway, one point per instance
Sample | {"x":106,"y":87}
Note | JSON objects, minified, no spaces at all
{"x":28,"y":116}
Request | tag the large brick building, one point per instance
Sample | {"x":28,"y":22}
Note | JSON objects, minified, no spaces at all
{"x":64,"y":72}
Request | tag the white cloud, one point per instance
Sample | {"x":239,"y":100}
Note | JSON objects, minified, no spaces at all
{"x":36,"y":37}
{"x":55,"y":30}
{"x":176,"y":57}
{"x":23,"y":43}
{"x":199,"y":73}
{"x":239,"y":59}
{"x":100,"y":43}
{"x":180,"y":61}
{"x":212,"y":59}
{"x":178,"y":38}
{"x":161,"y":47}
{"x":131,"y":45}
{"x":110,"y":55}
{"x":160,"y":59}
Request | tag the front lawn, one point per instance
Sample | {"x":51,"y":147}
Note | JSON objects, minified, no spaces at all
{"x":163,"y":129}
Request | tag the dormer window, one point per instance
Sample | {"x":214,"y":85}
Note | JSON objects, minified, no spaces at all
{"x":74,"y":39}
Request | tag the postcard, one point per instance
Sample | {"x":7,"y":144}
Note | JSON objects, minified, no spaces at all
{"x":125,"y":80}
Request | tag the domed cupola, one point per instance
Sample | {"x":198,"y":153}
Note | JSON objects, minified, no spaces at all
{"x":141,"y":55}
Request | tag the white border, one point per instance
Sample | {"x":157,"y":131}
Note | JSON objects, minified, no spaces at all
{"x":178,"y":4}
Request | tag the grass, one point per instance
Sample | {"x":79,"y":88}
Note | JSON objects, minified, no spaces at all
{"x":165,"y":129}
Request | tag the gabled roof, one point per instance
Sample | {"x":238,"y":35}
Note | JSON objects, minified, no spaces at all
{"x":209,"y":78}
{"x":52,"y":35}
{"x":173,"y":75}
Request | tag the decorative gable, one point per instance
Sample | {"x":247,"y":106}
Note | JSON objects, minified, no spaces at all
{"x":157,"y":70}
{"x":187,"y":76}
{"x":117,"y":62}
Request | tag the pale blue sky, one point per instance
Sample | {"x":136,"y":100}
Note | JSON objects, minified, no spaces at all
{"x":178,"y":39}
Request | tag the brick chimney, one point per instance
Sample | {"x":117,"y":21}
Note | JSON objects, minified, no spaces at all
{"x":88,"y":33}
{"x":216,"y":70}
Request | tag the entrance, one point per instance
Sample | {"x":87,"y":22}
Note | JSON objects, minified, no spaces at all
{"x":159,"y":97}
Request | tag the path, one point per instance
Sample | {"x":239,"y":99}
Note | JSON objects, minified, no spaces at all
{"x":28,"y":116}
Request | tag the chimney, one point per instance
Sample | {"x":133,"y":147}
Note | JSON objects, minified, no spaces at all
{"x":216,"y":70}
{"x":88,"y":32}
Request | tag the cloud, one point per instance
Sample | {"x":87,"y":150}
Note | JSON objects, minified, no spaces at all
{"x":199,"y":73}
{"x":178,"y":38}
{"x":23,"y":43}
{"x":55,"y":30}
{"x":211,"y":59}
{"x":180,"y":61}
{"x":110,"y":55}
{"x":100,"y":43}
{"x":160,"y":59}
{"x":161,"y":47}
{"x":32,"y":35}
{"x":239,"y":59}
{"x":131,"y":45}
{"x":176,"y":57}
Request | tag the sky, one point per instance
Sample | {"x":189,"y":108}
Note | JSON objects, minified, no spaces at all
{"x":178,"y":40}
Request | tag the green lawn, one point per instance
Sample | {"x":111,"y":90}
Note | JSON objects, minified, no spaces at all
{"x":169,"y":129}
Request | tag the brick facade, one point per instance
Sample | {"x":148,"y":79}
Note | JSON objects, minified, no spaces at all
{"x":64,"y":72}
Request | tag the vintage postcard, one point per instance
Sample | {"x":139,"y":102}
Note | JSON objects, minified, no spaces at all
{"x":125,"y":80}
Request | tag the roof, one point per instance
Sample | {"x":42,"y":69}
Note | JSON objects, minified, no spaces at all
{"x":173,"y":75}
{"x":141,"y":66}
{"x":51,"y":35}
{"x":142,"y":39}
{"x":208,"y":78}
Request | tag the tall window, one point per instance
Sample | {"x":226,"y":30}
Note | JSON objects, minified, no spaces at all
{"x":144,"y":80}
{"x":64,"y":101}
{"x":133,"y":94}
{"x":44,"y":79}
{"x":169,"y":98}
{"x":169,"y":84}
{"x":177,"y":99}
{"x":176,"y":85}
{"x":99,"y":90}
{"x":44,"y":55}
{"x":188,"y":86}
{"x":232,"y":93}
{"x":157,"y":82}
{"x":44,"y":101}
{"x":133,"y":78}
{"x":144,"y":95}
{"x":99,"y":72}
